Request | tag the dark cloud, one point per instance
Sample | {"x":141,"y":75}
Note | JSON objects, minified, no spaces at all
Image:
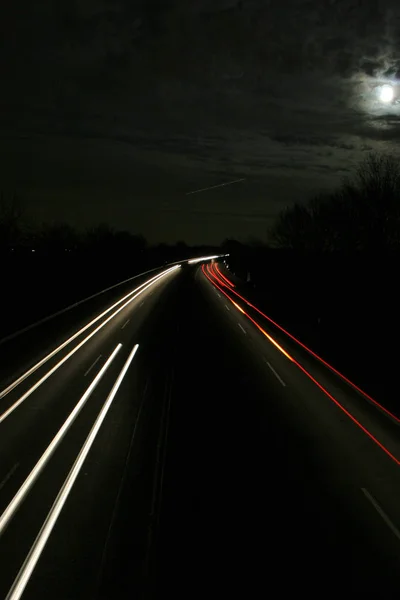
{"x":149,"y":98}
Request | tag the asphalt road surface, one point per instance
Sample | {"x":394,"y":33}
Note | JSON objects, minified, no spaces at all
{"x":186,"y":446}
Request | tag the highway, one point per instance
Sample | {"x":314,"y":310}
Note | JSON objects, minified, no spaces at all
{"x":172,"y":440}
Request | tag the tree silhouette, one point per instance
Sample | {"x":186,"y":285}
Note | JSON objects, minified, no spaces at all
{"x":374,"y":195}
{"x":104,"y":239}
{"x":11,"y":222}
{"x":293,"y":227}
{"x":57,"y":237}
{"x":99,"y":237}
{"x":126,"y":242}
{"x":363,"y":215}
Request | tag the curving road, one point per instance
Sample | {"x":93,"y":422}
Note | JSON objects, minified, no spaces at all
{"x":182,"y":443}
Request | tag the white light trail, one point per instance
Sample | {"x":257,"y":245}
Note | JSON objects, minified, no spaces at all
{"x":20,"y":379}
{"x":20,"y":496}
{"x":24,"y":575}
{"x":212,"y":187}
{"x":74,"y":350}
{"x":196,"y":260}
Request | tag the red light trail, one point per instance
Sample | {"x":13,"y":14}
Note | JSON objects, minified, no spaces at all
{"x":209,"y":271}
{"x":314,"y":354}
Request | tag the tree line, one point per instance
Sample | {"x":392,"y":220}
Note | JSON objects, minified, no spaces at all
{"x":361,"y":216}
{"x":19,"y":235}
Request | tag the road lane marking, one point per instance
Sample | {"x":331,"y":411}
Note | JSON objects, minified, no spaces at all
{"x":19,"y":497}
{"x":219,"y":295}
{"x":141,"y":287}
{"x":24,"y":575}
{"x":243,"y":329}
{"x":381,"y":512}
{"x":227,"y":307}
{"x":141,"y":304}
{"x":72,"y":352}
{"x":9,"y":475}
{"x":125,"y":324}
{"x":93,"y":364}
{"x":121,"y":486}
{"x":279,"y":378}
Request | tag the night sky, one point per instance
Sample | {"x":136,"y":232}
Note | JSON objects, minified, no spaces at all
{"x":115,"y":110}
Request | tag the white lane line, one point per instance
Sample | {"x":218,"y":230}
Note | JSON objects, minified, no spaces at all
{"x":71,"y":353}
{"x":125,"y":324}
{"x":15,"y":383}
{"x":15,"y":503}
{"x":279,"y":378}
{"x":22,"y":579}
{"x":242,"y":328}
{"x":9,"y":475}
{"x":227,"y":307}
{"x":93,"y":364}
{"x":381,"y":512}
{"x":141,"y":304}
{"x":219,"y":295}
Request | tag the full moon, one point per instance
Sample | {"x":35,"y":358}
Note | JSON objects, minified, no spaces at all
{"x":386,"y":93}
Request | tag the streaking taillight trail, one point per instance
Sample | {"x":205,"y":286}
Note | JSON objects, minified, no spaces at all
{"x":214,"y":278}
{"x":311,"y":352}
{"x":223,"y":276}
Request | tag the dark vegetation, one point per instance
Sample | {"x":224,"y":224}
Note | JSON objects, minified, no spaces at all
{"x":47,"y":268}
{"x":330,"y":275}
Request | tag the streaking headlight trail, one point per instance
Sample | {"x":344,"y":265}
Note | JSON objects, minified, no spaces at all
{"x":15,"y":503}
{"x":196,"y":260}
{"x":15,"y":383}
{"x":39,"y":544}
{"x":82,"y":343}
